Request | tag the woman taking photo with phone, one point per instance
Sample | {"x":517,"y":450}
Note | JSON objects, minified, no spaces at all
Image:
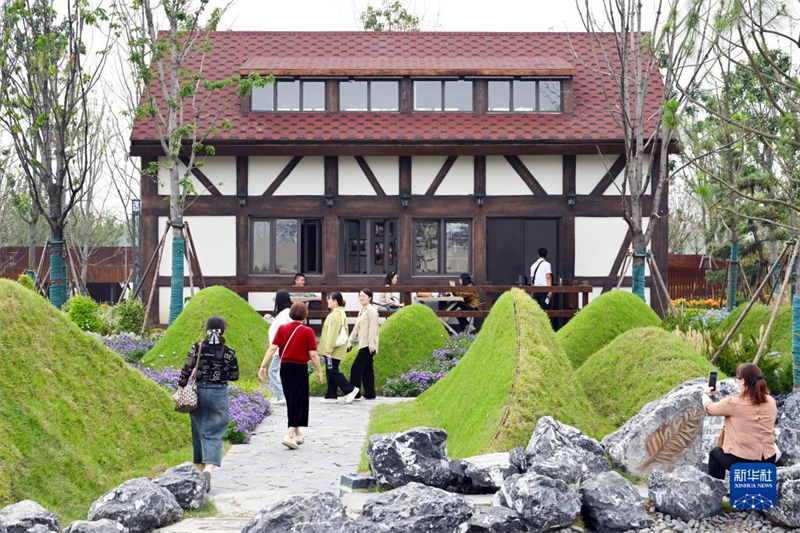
{"x":749,"y":431}
{"x":298,"y":346}
{"x":365,"y":333}
{"x":333,"y":347}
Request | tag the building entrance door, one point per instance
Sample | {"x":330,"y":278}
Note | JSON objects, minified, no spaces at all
{"x":512,"y":245}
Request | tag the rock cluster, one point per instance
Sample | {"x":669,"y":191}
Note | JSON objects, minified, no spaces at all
{"x":187,"y":485}
{"x":27,"y":516}
{"x":138,"y":504}
{"x":418,"y":454}
{"x":788,"y":440}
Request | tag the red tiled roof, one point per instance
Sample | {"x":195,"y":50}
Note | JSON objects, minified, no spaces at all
{"x":408,"y":66}
{"x":594,"y":97}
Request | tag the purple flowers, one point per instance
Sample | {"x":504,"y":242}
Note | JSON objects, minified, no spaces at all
{"x":246,"y":410}
{"x":415,"y":382}
{"x":131,"y":347}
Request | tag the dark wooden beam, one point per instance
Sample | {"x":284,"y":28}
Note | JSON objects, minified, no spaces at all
{"x":526,"y":175}
{"x":332,"y":95}
{"x":406,"y":95}
{"x":202,"y":178}
{"x":479,"y":266}
{"x":568,"y":221}
{"x":480,"y":97}
{"x":330,"y":223}
{"x":370,"y":176}
{"x":242,"y":223}
{"x":282,"y":176}
{"x":448,"y":164}
{"x":609,"y":177}
{"x":613,"y":274}
{"x":150,"y":231}
{"x":404,"y":246}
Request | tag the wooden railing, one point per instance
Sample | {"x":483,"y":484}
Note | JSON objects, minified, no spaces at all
{"x":568,"y":298}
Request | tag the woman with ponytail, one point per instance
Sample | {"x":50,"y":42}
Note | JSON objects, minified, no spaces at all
{"x":749,"y":431}
{"x":217,"y":366}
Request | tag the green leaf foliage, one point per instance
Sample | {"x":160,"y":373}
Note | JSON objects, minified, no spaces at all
{"x":76,"y":420}
{"x":82,"y":311}
{"x":247,"y":333}
{"x":637,"y":367}
{"x":407,"y":338}
{"x":26,"y":281}
{"x":513,"y":373}
{"x":600,"y":322}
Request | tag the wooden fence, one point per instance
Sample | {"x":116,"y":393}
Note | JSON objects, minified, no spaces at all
{"x":687,"y":278}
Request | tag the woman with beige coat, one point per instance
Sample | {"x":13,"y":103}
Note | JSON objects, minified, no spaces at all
{"x":365,"y":333}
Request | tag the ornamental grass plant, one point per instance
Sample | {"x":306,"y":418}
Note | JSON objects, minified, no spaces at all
{"x":75,"y":419}
{"x":514,"y":373}
{"x":600,"y":322}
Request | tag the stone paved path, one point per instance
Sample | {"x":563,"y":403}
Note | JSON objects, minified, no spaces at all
{"x":263,"y":471}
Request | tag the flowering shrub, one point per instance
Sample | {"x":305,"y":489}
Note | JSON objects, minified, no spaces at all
{"x":415,"y":382}
{"x":710,"y":318}
{"x":702,"y":303}
{"x":246,"y":410}
{"x":131,"y":347}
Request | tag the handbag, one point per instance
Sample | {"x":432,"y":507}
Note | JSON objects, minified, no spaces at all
{"x":341,"y":339}
{"x":186,"y":398}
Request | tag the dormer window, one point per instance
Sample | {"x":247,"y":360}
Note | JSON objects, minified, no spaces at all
{"x":369,"y":95}
{"x":289,"y":95}
{"x":521,"y":96}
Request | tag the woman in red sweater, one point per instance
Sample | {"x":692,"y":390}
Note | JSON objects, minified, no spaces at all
{"x":298,"y":346}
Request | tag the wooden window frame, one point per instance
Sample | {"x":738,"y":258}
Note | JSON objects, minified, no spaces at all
{"x":273,"y":89}
{"x":441,"y":245}
{"x":370,"y":222}
{"x":537,"y":102}
{"x":273,"y":245}
{"x":442,"y":102}
{"x":368,"y":81}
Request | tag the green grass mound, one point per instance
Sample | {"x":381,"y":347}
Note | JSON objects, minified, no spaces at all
{"x":639,"y":366}
{"x":75,"y":419}
{"x":751,"y":329}
{"x":247,"y":333}
{"x":407,"y":338}
{"x":600,"y":322}
{"x":514,"y":373}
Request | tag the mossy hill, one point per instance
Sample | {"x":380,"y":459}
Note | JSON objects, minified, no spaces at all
{"x":600,"y":322}
{"x":780,"y":340}
{"x":75,"y":419}
{"x":247,"y":333}
{"x":639,"y":366}
{"x":514,"y":373}
{"x":407,"y":338}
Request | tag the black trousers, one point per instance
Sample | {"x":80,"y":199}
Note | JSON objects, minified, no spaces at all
{"x":719,"y":462}
{"x":294,"y":378}
{"x":362,"y":374}
{"x":336,"y":380}
{"x":540,"y":297}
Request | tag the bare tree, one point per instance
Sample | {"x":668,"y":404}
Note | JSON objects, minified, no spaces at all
{"x":630,"y":61}
{"x":46,"y":76}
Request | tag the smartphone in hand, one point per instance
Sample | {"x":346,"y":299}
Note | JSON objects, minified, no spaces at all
{"x":712,"y":380}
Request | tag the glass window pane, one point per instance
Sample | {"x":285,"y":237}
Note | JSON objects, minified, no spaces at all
{"x":457,"y":247}
{"x":458,"y":96}
{"x":288,"y":96}
{"x":286,"y":246}
{"x":426,"y":235}
{"x":385,"y":96}
{"x":499,"y":96}
{"x":262,"y":98}
{"x":524,"y":95}
{"x":427,"y":96}
{"x":259,"y":255}
{"x":352,"y":96}
{"x":313,"y":96}
{"x":550,"y":95}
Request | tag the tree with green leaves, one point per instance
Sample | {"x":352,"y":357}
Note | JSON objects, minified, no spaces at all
{"x":170,"y":64}
{"x":390,"y":16}
{"x":46,"y":76}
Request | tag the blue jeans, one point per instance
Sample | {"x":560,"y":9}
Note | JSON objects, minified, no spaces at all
{"x":209,"y":422}
{"x":274,"y":379}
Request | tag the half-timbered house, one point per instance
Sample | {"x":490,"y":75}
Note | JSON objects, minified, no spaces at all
{"x":431,"y":154}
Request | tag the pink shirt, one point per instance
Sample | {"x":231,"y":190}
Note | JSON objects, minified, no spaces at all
{"x":749,"y":429}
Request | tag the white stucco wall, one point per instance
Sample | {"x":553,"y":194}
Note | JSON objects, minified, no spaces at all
{"x":502,"y":179}
{"x":220,"y":170}
{"x":352,"y":180}
{"x":262,"y":171}
{"x":590,"y":169}
{"x":423,"y":171}
{"x":307,"y":179}
{"x":597,"y":242}
{"x":548,"y":171}
{"x":215,"y":241}
{"x":163,"y":302}
{"x":460,"y":179}
{"x":387,"y":172}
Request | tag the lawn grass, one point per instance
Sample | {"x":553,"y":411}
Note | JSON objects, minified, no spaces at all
{"x":75,"y":419}
{"x":600,"y":322}
{"x":639,"y":366}
{"x":407,"y":338}
{"x":514,"y":373}
{"x":247,"y":333}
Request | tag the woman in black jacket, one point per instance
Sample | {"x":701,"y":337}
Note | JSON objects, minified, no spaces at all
{"x":217,"y":366}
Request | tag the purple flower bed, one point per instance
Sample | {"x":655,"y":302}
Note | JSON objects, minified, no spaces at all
{"x":131,"y":347}
{"x":415,"y":382}
{"x":246,"y":410}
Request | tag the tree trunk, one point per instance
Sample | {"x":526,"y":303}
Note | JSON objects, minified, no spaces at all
{"x":734,"y":269}
{"x":637,"y":272}
{"x":178,"y":244}
{"x":58,"y":269}
{"x":32,"y":223}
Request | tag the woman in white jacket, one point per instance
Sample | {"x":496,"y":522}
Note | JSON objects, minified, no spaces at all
{"x":283,"y":302}
{"x":365,"y":333}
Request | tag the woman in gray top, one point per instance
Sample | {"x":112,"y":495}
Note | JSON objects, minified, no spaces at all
{"x":365,"y":333}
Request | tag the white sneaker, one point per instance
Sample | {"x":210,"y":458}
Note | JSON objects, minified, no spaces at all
{"x":352,"y":396}
{"x":281,"y":401}
{"x":329,"y":400}
{"x":291,"y":444}
{"x":300,"y":440}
